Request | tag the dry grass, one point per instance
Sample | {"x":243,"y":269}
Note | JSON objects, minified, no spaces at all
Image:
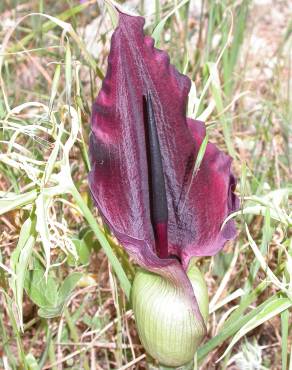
{"x":96,"y":329}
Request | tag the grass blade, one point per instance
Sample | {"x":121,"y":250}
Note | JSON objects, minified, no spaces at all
{"x":269,"y":310}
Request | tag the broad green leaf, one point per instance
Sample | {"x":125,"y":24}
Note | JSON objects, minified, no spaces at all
{"x":83,"y":250}
{"x":46,"y":294}
{"x":49,"y":312}
{"x":42,"y":291}
{"x":67,"y":286}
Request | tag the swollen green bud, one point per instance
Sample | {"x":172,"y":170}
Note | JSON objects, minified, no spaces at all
{"x":166,"y":323}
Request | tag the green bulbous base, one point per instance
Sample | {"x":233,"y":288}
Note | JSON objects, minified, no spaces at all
{"x":166,"y":324}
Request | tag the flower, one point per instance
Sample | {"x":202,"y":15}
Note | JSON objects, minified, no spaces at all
{"x":143,"y":151}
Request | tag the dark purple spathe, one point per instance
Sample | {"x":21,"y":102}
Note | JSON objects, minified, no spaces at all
{"x":119,"y":179}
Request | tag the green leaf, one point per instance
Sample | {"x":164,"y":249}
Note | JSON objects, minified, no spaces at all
{"x":84,"y":244}
{"x":31,"y":362}
{"x":41,"y":292}
{"x":50,"y":312}
{"x":83,"y":250}
{"x":13,"y":201}
{"x":90,"y":240}
{"x":46,"y":294}
{"x":19,"y":262}
{"x":68,"y":285}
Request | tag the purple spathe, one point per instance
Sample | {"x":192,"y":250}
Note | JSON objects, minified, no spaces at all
{"x":119,"y":181}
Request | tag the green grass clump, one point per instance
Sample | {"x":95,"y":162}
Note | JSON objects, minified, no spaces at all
{"x":64,"y":280}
